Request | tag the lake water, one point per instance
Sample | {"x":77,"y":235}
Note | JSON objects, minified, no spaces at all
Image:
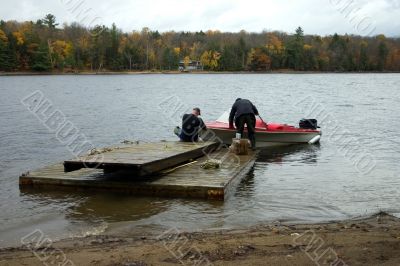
{"x":353,"y":172}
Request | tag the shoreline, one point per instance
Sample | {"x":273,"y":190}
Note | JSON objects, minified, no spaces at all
{"x":373,"y":240}
{"x":88,"y":73}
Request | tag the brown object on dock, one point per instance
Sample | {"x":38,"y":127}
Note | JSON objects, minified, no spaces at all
{"x":188,"y":180}
{"x":142,"y":159}
{"x":240,"y":146}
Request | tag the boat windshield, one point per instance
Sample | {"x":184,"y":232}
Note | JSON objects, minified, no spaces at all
{"x":224,"y":118}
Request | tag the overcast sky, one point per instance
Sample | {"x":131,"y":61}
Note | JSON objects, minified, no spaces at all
{"x":324,"y":17}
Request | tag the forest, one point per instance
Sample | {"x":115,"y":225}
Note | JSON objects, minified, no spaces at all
{"x":46,"y":46}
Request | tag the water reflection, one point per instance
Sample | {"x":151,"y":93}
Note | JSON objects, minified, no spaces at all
{"x":279,"y":155}
{"x":127,"y":212}
{"x":305,"y":153}
{"x":309,"y":183}
{"x":99,"y":206}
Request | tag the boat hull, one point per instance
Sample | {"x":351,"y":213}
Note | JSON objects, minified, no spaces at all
{"x":263,"y":138}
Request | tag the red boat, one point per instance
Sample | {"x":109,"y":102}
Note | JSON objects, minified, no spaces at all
{"x":267,"y":134}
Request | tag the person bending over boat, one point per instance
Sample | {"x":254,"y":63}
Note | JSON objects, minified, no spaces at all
{"x":191,"y":125}
{"x":244,"y":113}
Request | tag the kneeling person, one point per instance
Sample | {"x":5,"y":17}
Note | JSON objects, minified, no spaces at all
{"x":191,"y":126}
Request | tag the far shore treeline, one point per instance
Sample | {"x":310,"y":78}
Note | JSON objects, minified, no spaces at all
{"x":45,"y":46}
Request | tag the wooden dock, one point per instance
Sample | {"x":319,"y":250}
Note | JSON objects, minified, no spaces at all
{"x":187,"y":180}
{"x":142,"y":159}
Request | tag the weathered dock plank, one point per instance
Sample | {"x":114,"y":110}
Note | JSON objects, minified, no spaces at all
{"x":190,"y":180}
{"x":142,"y":159}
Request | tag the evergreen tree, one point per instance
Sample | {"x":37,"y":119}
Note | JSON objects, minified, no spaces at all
{"x":242,"y":47}
{"x":41,"y":60}
{"x":383,"y":52}
{"x":295,"y":50}
{"x":7,"y":58}
{"x":170,"y":60}
{"x":363,"y":63}
{"x":49,"y":20}
{"x":112,"y":57}
{"x":231,"y":58}
{"x":338,"y":50}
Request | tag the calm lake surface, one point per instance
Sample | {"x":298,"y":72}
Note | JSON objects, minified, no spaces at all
{"x":288,"y":184}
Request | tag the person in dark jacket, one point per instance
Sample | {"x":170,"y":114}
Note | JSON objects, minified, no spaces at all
{"x":244,"y":113}
{"x":191,"y":125}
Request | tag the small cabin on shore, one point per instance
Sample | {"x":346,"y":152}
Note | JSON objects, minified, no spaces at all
{"x":191,"y":66}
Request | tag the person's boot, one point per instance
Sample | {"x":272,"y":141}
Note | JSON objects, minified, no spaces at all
{"x":253,"y":143}
{"x":177,"y":131}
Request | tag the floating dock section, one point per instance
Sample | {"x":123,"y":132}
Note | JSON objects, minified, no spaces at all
{"x":142,"y":159}
{"x":185,"y":179}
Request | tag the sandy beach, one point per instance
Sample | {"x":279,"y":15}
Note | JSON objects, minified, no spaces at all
{"x":368,"y":241}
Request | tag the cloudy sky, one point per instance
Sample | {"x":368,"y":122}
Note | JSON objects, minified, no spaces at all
{"x":364,"y":17}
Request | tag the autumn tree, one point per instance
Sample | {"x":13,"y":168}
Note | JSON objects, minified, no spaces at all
{"x":276,"y":51}
{"x":210,"y":60}
{"x":62,"y":54}
{"x":74,"y":46}
{"x":393,"y":62}
{"x":258,"y":59}
{"x":130,"y":51}
{"x":3,"y":51}
{"x":7,"y":55}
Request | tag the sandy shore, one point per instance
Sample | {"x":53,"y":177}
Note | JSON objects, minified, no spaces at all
{"x":370,"y":241}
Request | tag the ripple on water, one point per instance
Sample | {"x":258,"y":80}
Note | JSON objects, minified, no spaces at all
{"x":295,"y":183}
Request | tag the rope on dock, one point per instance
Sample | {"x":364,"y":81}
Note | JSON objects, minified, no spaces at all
{"x":211,"y":164}
{"x":129,"y":142}
{"x":177,"y":167}
{"x":95,"y":151}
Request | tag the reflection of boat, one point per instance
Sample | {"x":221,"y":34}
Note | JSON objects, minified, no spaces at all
{"x":302,"y":153}
{"x":270,"y":134}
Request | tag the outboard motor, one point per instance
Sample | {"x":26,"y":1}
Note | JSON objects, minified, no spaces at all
{"x":308,"y":124}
